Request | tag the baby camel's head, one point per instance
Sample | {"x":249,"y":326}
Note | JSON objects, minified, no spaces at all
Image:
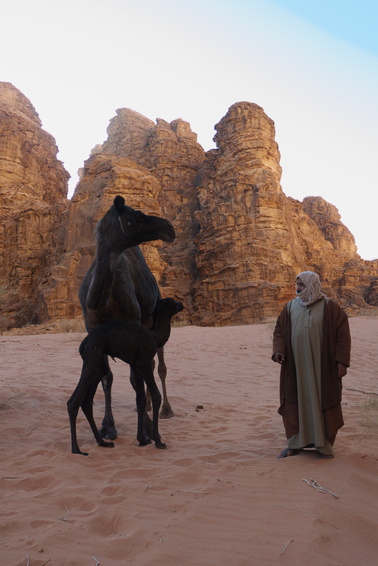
{"x":169,"y":306}
{"x":164,"y":311}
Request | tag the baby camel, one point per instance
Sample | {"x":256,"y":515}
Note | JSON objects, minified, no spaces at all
{"x":135,"y":345}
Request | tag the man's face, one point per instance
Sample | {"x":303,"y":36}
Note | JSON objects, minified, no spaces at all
{"x":299,"y":285}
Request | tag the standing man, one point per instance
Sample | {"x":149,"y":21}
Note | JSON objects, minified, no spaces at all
{"x":312,"y":343}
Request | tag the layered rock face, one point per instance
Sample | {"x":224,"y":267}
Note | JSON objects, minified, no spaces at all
{"x":104,"y":177}
{"x":154,"y":167}
{"x":33,"y":192}
{"x":244,"y":241}
{"x":173,"y":156}
{"x":253,"y":240}
{"x":240,"y":240}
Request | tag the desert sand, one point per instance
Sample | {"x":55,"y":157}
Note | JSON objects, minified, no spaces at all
{"x":218,"y":495}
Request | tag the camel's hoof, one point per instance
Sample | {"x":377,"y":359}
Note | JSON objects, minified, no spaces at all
{"x":160,"y":445}
{"x":108,"y":433}
{"x":166,"y":413}
{"x":106,"y":444}
{"x":144,"y":442}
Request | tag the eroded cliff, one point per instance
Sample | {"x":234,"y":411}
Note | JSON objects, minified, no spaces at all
{"x":240,"y":240}
{"x":33,"y":211}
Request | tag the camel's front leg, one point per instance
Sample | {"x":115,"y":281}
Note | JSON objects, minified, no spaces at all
{"x":166,"y":409}
{"x":143,"y":435}
{"x":147,"y":423}
{"x":156,"y":402}
{"x":108,"y":430}
{"x":148,"y":394}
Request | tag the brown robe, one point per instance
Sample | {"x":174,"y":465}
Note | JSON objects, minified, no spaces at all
{"x":336,"y":344}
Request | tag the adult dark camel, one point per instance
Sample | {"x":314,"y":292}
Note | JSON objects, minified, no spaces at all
{"x":135,"y":345}
{"x":120,"y":286}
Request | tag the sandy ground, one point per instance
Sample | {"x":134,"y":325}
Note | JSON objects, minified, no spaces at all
{"x":218,"y":495}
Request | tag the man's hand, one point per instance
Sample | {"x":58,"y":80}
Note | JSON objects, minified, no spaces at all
{"x":279,"y":358}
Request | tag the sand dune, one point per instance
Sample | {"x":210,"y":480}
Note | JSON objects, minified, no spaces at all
{"x":218,"y":495}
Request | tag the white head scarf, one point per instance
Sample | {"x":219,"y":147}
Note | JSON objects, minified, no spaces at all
{"x":312,"y":291}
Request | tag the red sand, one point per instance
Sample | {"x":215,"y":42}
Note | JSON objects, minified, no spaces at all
{"x":218,"y":495}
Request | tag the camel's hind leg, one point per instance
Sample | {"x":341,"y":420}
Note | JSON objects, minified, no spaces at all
{"x":87,"y":407}
{"x":80,"y":394}
{"x":108,"y":430}
{"x":83,"y":397}
{"x":166,"y":409}
{"x":73,"y":405}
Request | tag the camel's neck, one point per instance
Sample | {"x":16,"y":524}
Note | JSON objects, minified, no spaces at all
{"x":98,"y":291}
{"x":161,"y":330}
{"x":104,"y":250}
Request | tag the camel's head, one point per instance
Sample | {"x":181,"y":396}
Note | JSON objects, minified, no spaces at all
{"x":169,"y":306}
{"x":164,"y":311}
{"x":134,"y":227}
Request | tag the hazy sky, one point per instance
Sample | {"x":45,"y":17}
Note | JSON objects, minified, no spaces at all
{"x":312,"y":66}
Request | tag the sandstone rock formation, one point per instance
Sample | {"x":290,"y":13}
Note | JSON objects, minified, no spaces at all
{"x":33,"y":192}
{"x":172,"y":155}
{"x":104,"y":177}
{"x":154,"y":166}
{"x":240,"y":239}
{"x":253,"y":240}
{"x":371,"y":294}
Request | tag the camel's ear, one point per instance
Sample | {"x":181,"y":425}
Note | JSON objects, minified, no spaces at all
{"x":119,"y":203}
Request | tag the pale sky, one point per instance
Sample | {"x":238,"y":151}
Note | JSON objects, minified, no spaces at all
{"x":311,"y":65}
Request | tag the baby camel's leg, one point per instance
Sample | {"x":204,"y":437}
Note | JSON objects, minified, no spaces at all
{"x":108,"y":429}
{"x":147,"y":423}
{"x":166,"y":409}
{"x":73,"y":405}
{"x":143,"y":435}
{"x":83,"y":397}
{"x":87,"y":406}
{"x":156,"y":402}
